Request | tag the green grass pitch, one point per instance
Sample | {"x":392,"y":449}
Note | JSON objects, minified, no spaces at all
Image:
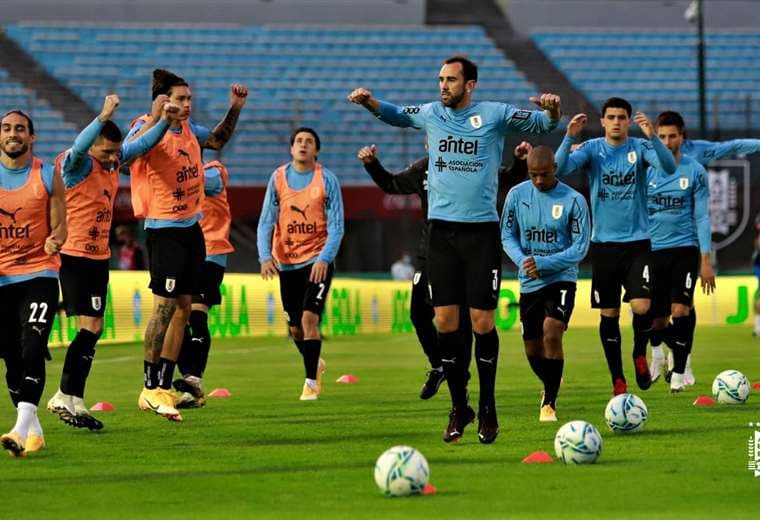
{"x":264,"y":454}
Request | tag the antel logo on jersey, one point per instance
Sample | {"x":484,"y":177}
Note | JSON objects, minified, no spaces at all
{"x":618,"y":179}
{"x":304,"y":228}
{"x":541,"y":235}
{"x":461,"y":146}
{"x":104,"y":215}
{"x":187,"y":173}
{"x":11,"y":230}
{"x":669,"y":202}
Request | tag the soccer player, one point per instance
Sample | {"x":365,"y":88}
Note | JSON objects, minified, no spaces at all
{"x":90,"y":172}
{"x":620,"y":245}
{"x":705,"y":152}
{"x":465,"y":142}
{"x":167,"y":190}
{"x":414,"y":180}
{"x":679,"y":224}
{"x":545,"y":231}
{"x":298,"y":237}
{"x":32,"y":232}
{"x":215,"y":224}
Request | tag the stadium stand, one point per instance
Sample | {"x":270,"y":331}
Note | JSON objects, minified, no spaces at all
{"x":297,"y":75}
{"x":657,"y":70}
{"x":58,"y":134}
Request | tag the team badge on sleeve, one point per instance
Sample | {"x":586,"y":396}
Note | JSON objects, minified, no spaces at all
{"x":557,"y":211}
{"x":683,"y":182}
{"x":476,"y":121}
{"x":96,"y":303}
{"x":632,"y":157}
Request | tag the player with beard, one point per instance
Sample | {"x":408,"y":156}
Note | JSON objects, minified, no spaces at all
{"x":465,"y":142}
{"x":32,"y":233}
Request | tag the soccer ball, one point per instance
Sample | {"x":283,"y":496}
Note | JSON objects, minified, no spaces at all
{"x":578,"y":442}
{"x":401,"y":471}
{"x":626,"y":413}
{"x":730,"y":387}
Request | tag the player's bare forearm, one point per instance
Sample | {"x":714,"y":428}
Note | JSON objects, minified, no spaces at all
{"x":222,"y":133}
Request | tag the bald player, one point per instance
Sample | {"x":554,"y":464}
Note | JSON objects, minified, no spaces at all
{"x":545,"y":231}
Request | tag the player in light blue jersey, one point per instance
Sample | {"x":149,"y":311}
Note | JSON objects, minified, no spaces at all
{"x":620,"y":247}
{"x":465,"y":142}
{"x":679,"y":222}
{"x":545,"y":230}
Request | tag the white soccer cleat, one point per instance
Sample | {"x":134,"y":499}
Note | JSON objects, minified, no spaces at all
{"x":655,"y":367}
{"x":61,"y":402}
{"x":677,"y":383}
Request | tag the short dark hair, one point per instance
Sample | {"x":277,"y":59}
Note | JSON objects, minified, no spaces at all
{"x":20,"y":112}
{"x":671,"y":118}
{"x":469,"y":69}
{"x":307,"y":130}
{"x":163,"y":81}
{"x":617,"y":102}
{"x":111,"y":132}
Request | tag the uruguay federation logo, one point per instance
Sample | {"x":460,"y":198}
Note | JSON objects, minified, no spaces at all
{"x":557,"y":211}
{"x":171,"y":283}
{"x":683,"y":182}
{"x":632,"y":157}
{"x":476,"y":121}
{"x":96,"y":303}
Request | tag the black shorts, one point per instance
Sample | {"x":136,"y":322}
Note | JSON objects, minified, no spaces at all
{"x":298,"y":294}
{"x":553,"y":301}
{"x":620,"y":264}
{"x":211,"y":282}
{"x":675,"y":273}
{"x":84,"y":285}
{"x":32,"y":304}
{"x":464,"y":264}
{"x":176,"y":257}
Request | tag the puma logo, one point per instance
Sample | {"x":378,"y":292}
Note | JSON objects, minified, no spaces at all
{"x":10,"y":214}
{"x":299,"y":210}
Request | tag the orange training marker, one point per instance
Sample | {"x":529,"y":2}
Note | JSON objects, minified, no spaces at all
{"x":704,"y":400}
{"x":538,"y":457}
{"x":347,"y":379}
{"x":429,"y":489}
{"x":220,"y":392}
{"x":102,"y":406}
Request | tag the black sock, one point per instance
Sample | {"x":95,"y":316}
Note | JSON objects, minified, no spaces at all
{"x":680,"y":344}
{"x":150,"y":375}
{"x":692,"y":327}
{"x":537,"y":364}
{"x":201,"y":341}
{"x":609,"y":332}
{"x":450,"y":347}
{"x":428,"y":338}
{"x":165,"y":373}
{"x":312,"y":348}
{"x":464,"y":355}
{"x":84,"y":362}
{"x":33,"y":350}
{"x":486,"y":358}
{"x":667,"y":335}
{"x":655,"y":337}
{"x":185,"y":358}
{"x":73,"y":354}
{"x":642,"y":326}
{"x":554,"y":368}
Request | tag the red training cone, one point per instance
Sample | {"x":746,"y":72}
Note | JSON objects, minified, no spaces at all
{"x":220,"y":392}
{"x":704,"y":400}
{"x":756,"y":385}
{"x":347,"y":379}
{"x":538,"y":457}
{"x":102,"y":406}
{"x":429,"y":489}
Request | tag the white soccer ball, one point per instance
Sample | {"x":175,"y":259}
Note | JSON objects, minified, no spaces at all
{"x":626,"y":413}
{"x":401,"y":471}
{"x":578,"y":442}
{"x":731,"y":387}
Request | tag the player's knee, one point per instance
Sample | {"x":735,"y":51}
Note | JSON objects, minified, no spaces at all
{"x":610,"y":313}
{"x":641,"y":306}
{"x":310,"y":324}
{"x":553,"y":330}
{"x":446,"y":321}
{"x":679,"y":310}
{"x":482,"y":321}
{"x":92,"y":325}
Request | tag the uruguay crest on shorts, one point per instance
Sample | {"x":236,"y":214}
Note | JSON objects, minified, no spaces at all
{"x":96,"y":303}
{"x":171,"y":283}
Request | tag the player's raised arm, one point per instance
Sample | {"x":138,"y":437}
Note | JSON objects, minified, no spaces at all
{"x":580,"y":230}
{"x":152,"y":136}
{"x":538,"y":122}
{"x":567,"y":161}
{"x":222,"y":133}
{"x":406,"y":116}
{"x":78,"y":154}
{"x":706,"y":151}
{"x":704,"y":231}
{"x":658,"y":155}
{"x":407,"y":181}
{"x":269,"y":215}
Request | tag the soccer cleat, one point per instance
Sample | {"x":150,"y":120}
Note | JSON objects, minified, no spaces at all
{"x":547,"y":414}
{"x":655,"y":368}
{"x":458,"y":419}
{"x":62,"y":405}
{"x":619,"y":387}
{"x":309,"y":393}
{"x":189,"y":392}
{"x":677,"y":383}
{"x":688,"y":377}
{"x":11,"y":442}
{"x":34,"y":442}
{"x":643,"y":377}
{"x":84,"y":417}
{"x":433,"y":383}
{"x":320,"y":372}
{"x":160,"y":402}
{"x":668,"y":375}
{"x":488,"y":425}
